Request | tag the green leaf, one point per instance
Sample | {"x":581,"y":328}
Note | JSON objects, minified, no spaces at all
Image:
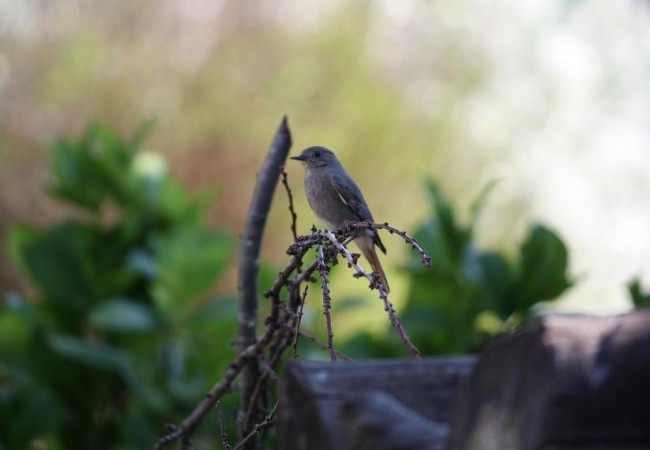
{"x":497,"y":282}
{"x":122,"y":315}
{"x":479,"y":202}
{"x":57,"y":260}
{"x":446,"y":241}
{"x":639,"y":298}
{"x":543,"y":268}
{"x":16,"y":324}
{"x":98,"y":356}
{"x":444,"y":212}
{"x":189,"y":261}
{"x":93,"y":169}
{"x":23,"y":401}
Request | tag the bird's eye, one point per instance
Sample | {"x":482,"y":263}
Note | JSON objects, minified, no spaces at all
{"x":317,"y":154}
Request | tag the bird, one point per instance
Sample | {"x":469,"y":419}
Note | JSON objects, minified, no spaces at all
{"x":335,"y":198}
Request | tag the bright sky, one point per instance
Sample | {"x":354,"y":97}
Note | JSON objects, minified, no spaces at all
{"x":564,"y":121}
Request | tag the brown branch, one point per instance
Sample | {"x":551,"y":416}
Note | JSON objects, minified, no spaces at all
{"x":394,"y":320}
{"x":294,"y":344}
{"x":292,"y":211}
{"x":225,"y":441}
{"x":251,"y":242}
{"x":222,"y":387}
{"x":426,"y":259}
{"x":327,"y":300}
{"x":268,"y":420}
{"x":282,"y":328}
{"x":311,"y":339}
{"x":375,"y":282}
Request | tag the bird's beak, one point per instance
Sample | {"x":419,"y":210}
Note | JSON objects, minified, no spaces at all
{"x":298,"y":158}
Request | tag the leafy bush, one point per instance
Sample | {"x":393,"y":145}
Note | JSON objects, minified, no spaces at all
{"x":469,"y":294}
{"x":116,"y":340}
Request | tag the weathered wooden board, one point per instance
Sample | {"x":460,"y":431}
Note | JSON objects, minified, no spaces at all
{"x":565,"y":382}
{"x":332,"y":405}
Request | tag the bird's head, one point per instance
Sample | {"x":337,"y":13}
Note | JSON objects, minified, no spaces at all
{"x":314,"y":157}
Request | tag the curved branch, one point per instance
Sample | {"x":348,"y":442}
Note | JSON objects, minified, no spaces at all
{"x":251,"y":242}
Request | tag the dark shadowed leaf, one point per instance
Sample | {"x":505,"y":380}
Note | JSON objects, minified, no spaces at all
{"x":57,"y":260}
{"x":99,"y":356}
{"x":543,"y":268}
{"x":639,"y":297}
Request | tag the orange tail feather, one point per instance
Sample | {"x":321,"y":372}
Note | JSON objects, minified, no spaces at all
{"x":367,"y":247}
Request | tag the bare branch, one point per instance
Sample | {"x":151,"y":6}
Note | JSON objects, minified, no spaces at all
{"x":249,"y":261}
{"x":282,"y":329}
{"x":294,"y":345}
{"x":292,"y":211}
{"x":327,"y":300}
{"x":383,"y":292}
{"x":268,"y":420}
{"x":225,"y":441}
{"x":426,"y":259}
{"x":322,"y":346}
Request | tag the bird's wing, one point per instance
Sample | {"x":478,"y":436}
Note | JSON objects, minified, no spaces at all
{"x":352,"y":198}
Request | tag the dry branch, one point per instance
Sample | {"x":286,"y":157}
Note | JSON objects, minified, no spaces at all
{"x":251,"y":242}
{"x":259,"y":356}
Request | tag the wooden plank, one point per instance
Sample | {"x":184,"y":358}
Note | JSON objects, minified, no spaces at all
{"x":564,"y":382}
{"x":323,"y":404}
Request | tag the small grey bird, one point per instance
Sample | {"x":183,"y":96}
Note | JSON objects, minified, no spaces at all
{"x":335,"y":197}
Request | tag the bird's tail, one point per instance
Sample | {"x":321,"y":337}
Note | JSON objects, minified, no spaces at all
{"x":367,"y":246}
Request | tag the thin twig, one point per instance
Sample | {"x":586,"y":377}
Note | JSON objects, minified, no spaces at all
{"x":394,"y":320}
{"x":268,"y":420}
{"x":224,"y":385}
{"x":283,"y":327}
{"x":294,"y":345}
{"x":218,"y":390}
{"x":225,"y":441}
{"x":426,"y":259}
{"x":292,"y":211}
{"x":283,"y":277}
{"x":277,"y":347}
{"x":311,"y":339}
{"x":383,"y":292}
{"x":327,"y":300}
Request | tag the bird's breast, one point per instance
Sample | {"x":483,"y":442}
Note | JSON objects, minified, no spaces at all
{"x":325,"y":201}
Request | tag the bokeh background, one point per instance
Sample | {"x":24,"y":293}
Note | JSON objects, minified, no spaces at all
{"x":549,"y":98}
{"x":425,"y":102}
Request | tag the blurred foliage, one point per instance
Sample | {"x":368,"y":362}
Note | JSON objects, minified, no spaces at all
{"x":639,"y":297}
{"x":116,"y":344}
{"x":469,"y":294}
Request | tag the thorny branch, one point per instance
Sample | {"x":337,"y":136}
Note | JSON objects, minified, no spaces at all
{"x":282,"y":323}
{"x":268,"y":420}
{"x":259,"y":356}
{"x":322,"y":346}
{"x":327,"y":300}
{"x":222,"y":428}
{"x":375,"y":281}
{"x":426,"y":259}
{"x":294,"y":344}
